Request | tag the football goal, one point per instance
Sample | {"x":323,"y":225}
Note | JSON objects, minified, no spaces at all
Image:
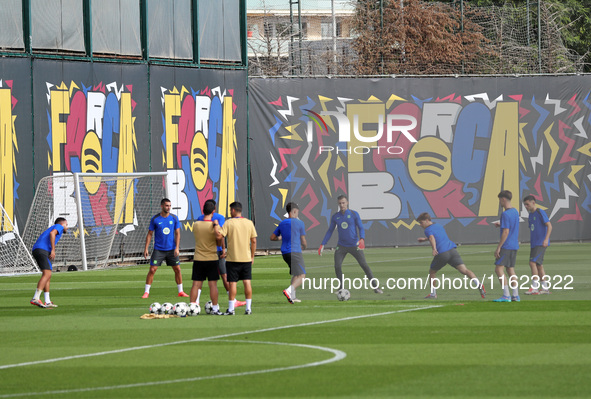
{"x":14,"y":256}
{"x":108,"y":215}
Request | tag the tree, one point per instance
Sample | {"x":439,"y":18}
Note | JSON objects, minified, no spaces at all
{"x":269,"y":40}
{"x":571,"y":19}
{"x":417,"y":37}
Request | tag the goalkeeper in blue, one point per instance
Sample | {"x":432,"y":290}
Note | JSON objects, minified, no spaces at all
{"x":351,"y":241}
{"x":444,"y":253}
{"x":44,"y":253}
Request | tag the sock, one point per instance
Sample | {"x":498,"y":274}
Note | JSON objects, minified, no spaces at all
{"x":47,"y":300}
{"x":433,"y":291}
{"x":215,"y":308}
{"x":231,"y":305}
{"x":37,"y":294}
{"x":535,"y":284}
{"x":180,"y":287}
{"x":147,"y":289}
{"x":545,"y":285}
{"x":248,"y":304}
{"x":292,"y":291}
{"x":198,"y":295}
{"x":506,"y":290}
{"x":477,"y":282}
{"x":515,"y":291}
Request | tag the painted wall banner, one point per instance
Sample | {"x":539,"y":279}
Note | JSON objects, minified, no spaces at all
{"x":92,"y":118}
{"x":16,"y":166}
{"x":199,"y":137}
{"x":400,"y":147}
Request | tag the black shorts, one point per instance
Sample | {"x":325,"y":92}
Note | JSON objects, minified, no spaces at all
{"x":205,"y":270}
{"x":239,"y":271}
{"x":159,"y":256}
{"x":295,"y":261}
{"x":451,"y":257}
{"x":42,"y":258}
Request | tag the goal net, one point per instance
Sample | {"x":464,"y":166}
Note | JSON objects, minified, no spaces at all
{"x":14,"y":256}
{"x":108,"y":216}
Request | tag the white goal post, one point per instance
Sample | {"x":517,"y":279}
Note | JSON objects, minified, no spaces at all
{"x":108,"y":215}
{"x":15,"y":258}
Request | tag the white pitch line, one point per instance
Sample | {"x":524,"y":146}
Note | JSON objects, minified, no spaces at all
{"x":338,"y":355}
{"x":135,"y":348}
{"x":390,"y":260}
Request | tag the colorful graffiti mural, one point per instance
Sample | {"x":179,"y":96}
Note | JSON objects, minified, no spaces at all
{"x":8,"y":151}
{"x":399,"y":154}
{"x":199,"y":149}
{"x":92,"y":130}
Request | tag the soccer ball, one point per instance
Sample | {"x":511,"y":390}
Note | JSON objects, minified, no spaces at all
{"x":156,"y":308}
{"x":208,"y":307}
{"x":343,"y":295}
{"x":180,"y":309}
{"x":194,"y":309}
{"x":167,"y":308}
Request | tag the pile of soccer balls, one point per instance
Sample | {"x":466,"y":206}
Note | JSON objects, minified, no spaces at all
{"x":181,"y":309}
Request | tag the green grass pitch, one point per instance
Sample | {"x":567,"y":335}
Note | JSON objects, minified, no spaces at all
{"x":94,"y":345}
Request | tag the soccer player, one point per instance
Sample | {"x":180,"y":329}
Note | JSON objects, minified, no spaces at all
{"x":506,"y":251}
{"x":166,"y":229}
{"x":221,"y":251}
{"x":540,"y":229}
{"x":206,"y":259}
{"x":350,"y":242}
{"x":292,"y":234}
{"x":44,"y":253}
{"x":445,"y":253}
{"x":242,"y":244}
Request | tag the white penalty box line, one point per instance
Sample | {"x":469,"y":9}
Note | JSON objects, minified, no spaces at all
{"x":136,"y":348}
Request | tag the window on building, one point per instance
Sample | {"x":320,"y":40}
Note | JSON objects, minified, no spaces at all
{"x":116,"y":27}
{"x":305,"y":30}
{"x":57,"y":24}
{"x":11,"y":21}
{"x":169,"y":29}
{"x":325,"y":30}
{"x":219,"y":30}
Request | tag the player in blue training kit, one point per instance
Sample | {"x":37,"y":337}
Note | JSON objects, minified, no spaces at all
{"x":292,"y":233}
{"x":348,"y":223}
{"x":221,"y":250}
{"x":506,"y":252}
{"x":540,"y":229}
{"x":44,"y":253}
{"x":445,"y":253}
{"x":166,"y":229}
